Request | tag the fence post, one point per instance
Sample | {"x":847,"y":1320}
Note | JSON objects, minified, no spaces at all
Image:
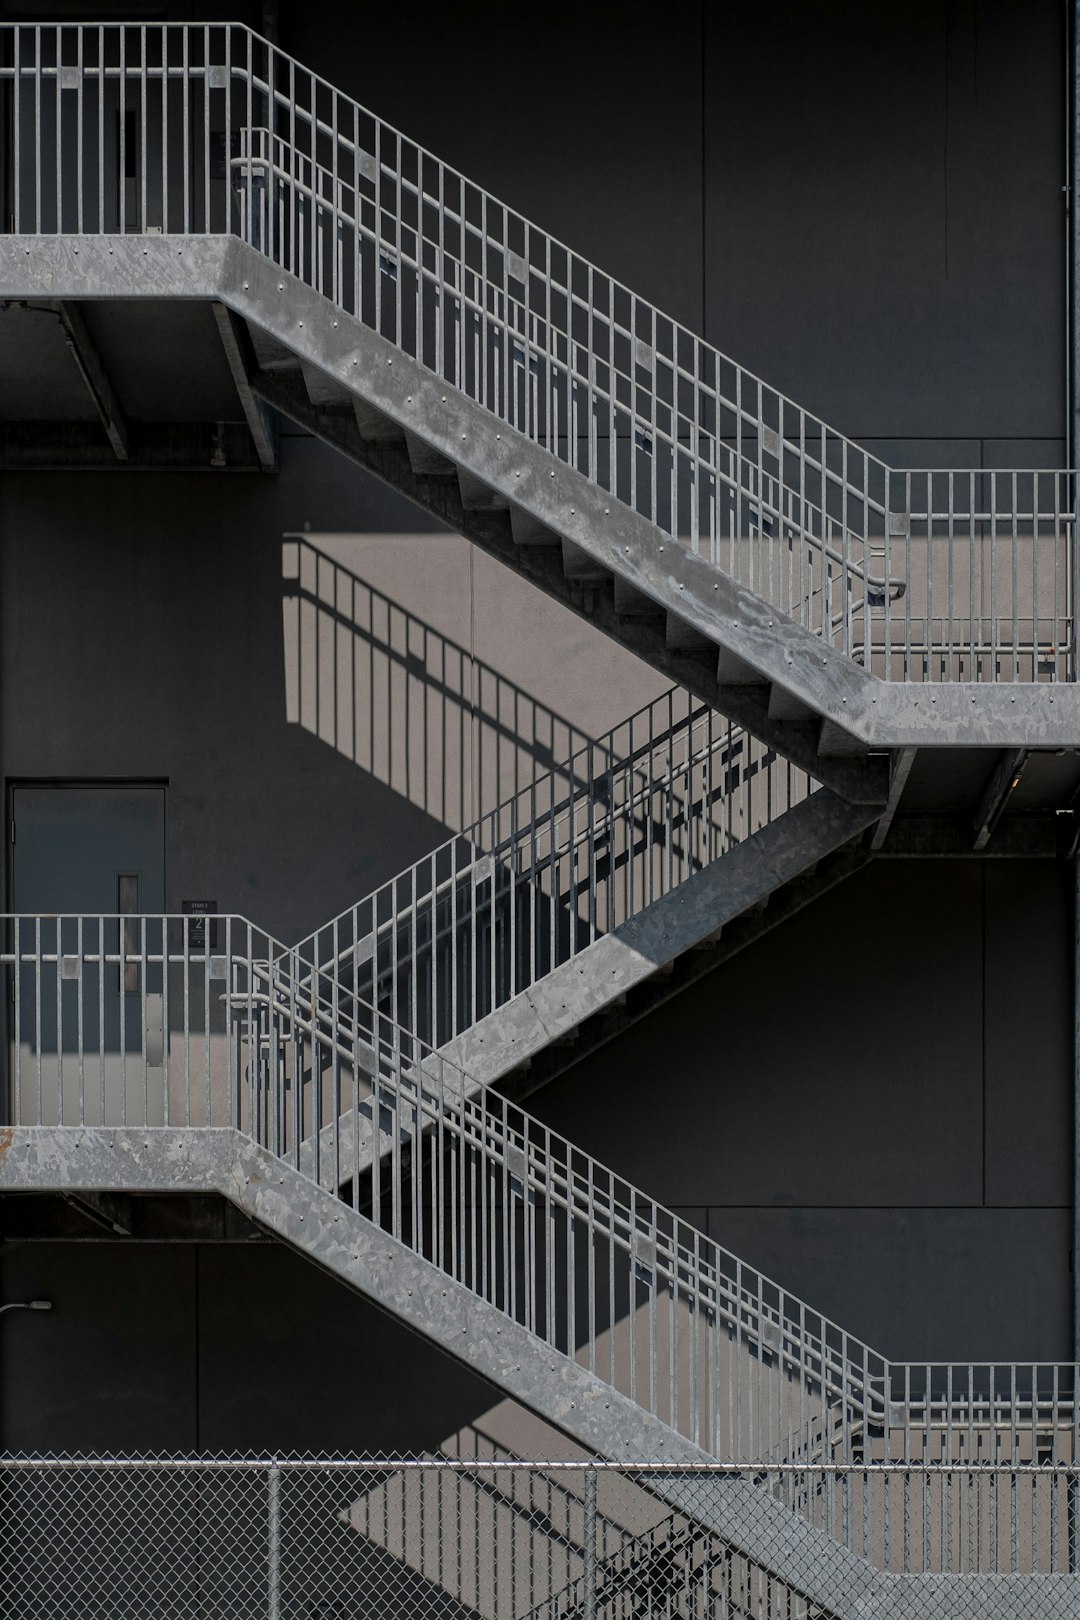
{"x":588,"y":1609}
{"x":273,"y":1542}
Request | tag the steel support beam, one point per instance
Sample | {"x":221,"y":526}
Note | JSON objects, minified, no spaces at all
{"x":92,"y":371}
{"x":108,"y":1209}
{"x":1003,"y":779}
{"x":901,"y":770}
{"x":88,"y":1218}
{"x":1042,"y":836}
{"x":262,"y":423}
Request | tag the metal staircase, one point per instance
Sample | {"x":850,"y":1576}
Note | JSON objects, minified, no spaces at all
{"x":533,"y":928}
{"x":591,"y":1542}
{"x":341,"y":1092}
{"x":836,"y":607}
{"x":499,"y":1241}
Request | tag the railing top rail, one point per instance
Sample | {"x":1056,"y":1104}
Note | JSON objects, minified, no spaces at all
{"x":104,"y":916}
{"x":579,"y":776}
{"x":536,"y":1465}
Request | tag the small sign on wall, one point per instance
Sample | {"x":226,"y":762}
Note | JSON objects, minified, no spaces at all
{"x":202,"y":931}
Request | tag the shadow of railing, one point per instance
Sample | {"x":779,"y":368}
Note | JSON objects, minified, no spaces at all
{"x":403,"y":700}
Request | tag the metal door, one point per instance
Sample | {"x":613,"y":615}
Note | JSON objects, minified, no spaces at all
{"x":88,"y":1041}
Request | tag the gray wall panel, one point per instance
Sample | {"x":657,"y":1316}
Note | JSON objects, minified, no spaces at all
{"x":112,"y":1367}
{"x":144,"y":634}
{"x":586,"y":119}
{"x":824,"y":1093}
{"x":1028,"y":1034}
{"x":885,"y":228}
{"x":289,"y":1359}
{"x":844,"y":1050}
{"x":922,"y":1284}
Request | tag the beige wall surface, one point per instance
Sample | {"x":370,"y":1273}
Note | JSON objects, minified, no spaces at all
{"x":328,"y":690}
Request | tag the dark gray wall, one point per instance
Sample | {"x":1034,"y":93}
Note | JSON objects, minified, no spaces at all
{"x":184,"y":1347}
{"x":862,"y":202}
{"x":873,"y":1105}
{"x":885,"y":219}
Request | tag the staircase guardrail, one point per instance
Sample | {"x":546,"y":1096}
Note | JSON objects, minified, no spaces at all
{"x":184,"y":128}
{"x":199,"y":1022}
{"x":581,"y":850}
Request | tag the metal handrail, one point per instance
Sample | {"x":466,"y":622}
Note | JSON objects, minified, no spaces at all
{"x":584,"y":781}
{"x":580,"y":851}
{"x":859,"y":1406}
{"x":551,"y":345}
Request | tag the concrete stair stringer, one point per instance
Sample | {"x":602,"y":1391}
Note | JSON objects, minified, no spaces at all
{"x":606,"y":971}
{"x":617,"y":963}
{"x":857,"y":712}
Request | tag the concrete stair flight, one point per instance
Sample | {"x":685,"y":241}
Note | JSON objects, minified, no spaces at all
{"x":603,"y":875}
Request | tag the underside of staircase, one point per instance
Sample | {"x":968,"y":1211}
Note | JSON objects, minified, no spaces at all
{"x":658,"y":950}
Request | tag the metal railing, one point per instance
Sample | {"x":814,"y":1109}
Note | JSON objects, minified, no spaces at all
{"x":115,"y":128}
{"x":152,"y":1021}
{"x":580,"y":851}
{"x":291,"y":1538}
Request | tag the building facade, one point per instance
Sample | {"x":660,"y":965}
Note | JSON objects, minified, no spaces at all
{"x":269,"y":641}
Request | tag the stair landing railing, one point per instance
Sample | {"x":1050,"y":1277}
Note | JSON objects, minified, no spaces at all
{"x":184,"y":128}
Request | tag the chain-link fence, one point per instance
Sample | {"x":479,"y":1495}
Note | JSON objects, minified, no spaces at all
{"x":332,"y":1539}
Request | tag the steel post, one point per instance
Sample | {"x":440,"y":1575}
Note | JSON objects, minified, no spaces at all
{"x":588,"y":1607}
{"x":273,"y":1542}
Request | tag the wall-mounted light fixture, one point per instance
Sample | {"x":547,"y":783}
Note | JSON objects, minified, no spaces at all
{"x":27,"y":1305}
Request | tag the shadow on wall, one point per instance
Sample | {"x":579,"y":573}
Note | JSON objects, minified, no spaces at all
{"x":402,"y":699}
